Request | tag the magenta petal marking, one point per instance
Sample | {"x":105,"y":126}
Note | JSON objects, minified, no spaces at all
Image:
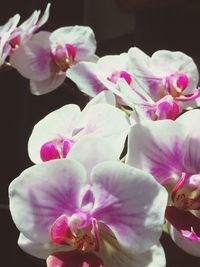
{"x":183,"y":221}
{"x":167,"y":110}
{"x":71,"y":51}
{"x":182,"y":81}
{"x":127,"y":77}
{"x":49,"y":151}
{"x":115,"y":76}
{"x":66,"y":146}
{"x":60,"y":231}
{"x":74,"y":259}
{"x":190,"y":97}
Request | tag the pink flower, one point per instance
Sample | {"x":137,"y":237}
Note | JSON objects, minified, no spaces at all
{"x":111,"y":215}
{"x":56,"y":134}
{"x":12,"y":36}
{"x":25,"y":31}
{"x":171,"y":154}
{"x":46,"y":57}
{"x":166,"y":73}
{"x":95,"y":77}
{"x":119,"y":74}
{"x":5,"y":34}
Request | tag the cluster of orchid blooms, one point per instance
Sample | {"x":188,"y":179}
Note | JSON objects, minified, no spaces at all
{"x":85,"y":203}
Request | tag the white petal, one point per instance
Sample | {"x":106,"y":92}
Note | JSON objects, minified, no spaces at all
{"x":114,"y":256}
{"x":106,"y":121}
{"x":189,"y":246}
{"x":81,"y":37}
{"x":39,"y":250}
{"x":91,"y":150}
{"x":48,"y":85}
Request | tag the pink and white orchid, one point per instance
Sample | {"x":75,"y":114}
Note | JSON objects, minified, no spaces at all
{"x":171,"y":154}
{"x":54,"y":135}
{"x":95,"y":77}
{"x":119,"y":74}
{"x":46,"y":57}
{"x":12,"y":36}
{"x":109,"y":216}
{"x":166,"y":73}
{"x":26,"y":30}
{"x":5,"y":34}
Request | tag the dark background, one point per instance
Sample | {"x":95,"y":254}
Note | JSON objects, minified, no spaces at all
{"x":153,"y":25}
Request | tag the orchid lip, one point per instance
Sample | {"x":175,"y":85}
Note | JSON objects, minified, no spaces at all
{"x":64,"y":57}
{"x":176,"y":83}
{"x":80,"y":231}
{"x":115,"y":76}
{"x":55,"y":149}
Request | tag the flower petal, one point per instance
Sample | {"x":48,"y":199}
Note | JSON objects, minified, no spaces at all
{"x":156,"y":147}
{"x":60,"y":122}
{"x":91,"y":150}
{"x":32,"y":60}
{"x":39,"y":250}
{"x":42,"y":193}
{"x":114,"y":256}
{"x":191,"y":152}
{"x":48,"y":85}
{"x":190,"y":246}
{"x":106,"y":121}
{"x":84,"y":74}
{"x":81,"y":37}
{"x":105,"y":97}
{"x":165,"y":62}
{"x":130,"y":202}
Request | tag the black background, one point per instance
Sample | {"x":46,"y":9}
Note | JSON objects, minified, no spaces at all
{"x":173,"y":26}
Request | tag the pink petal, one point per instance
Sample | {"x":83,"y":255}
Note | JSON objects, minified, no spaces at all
{"x":32,"y":60}
{"x":44,"y":192}
{"x":84,"y":74}
{"x":156,"y":147}
{"x":131,"y":203}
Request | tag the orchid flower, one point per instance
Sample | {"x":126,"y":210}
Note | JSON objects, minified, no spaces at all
{"x":46,"y":57}
{"x":115,"y":73}
{"x":166,"y":73}
{"x":12,"y":36}
{"x":171,"y":154}
{"x":55,"y":134}
{"x":5,"y":34}
{"x":109,"y":216}
{"x":95,"y":77}
{"x":25,"y":31}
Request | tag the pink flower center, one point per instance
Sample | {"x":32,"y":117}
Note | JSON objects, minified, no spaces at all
{"x":55,"y":149}
{"x":176,"y":83}
{"x":115,"y":76}
{"x":80,"y":231}
{"x":64,"y":57}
